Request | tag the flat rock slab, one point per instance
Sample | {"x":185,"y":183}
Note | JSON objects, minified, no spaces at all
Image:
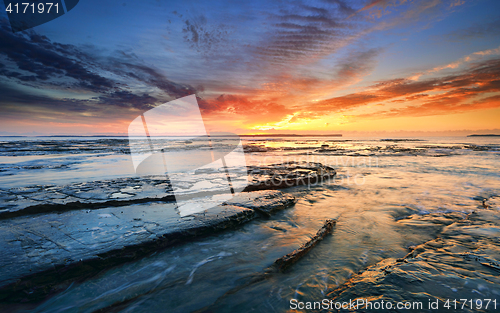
{"x":44,"y":249}
{"x":463,"y":262}
{"x":45,"y":198}
{"x":289,"y":174}
{"x":35,"y":199}
{"x":266,"y":202}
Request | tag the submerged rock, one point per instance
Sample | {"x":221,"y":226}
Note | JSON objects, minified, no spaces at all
{"x":264,"y":202}
{"x":52,"y":235}
{"x":284,"y":175}
{"x":286,"y":261}
{"x":43,"y":253}
{"x":90,"y":195}
{"x":16,"y":202}
{"x":256,"y":148}
{"x":280,"y":265}
{"x":462,"y":262}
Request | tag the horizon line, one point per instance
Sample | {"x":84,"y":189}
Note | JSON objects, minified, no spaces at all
{"x":261,"y":135}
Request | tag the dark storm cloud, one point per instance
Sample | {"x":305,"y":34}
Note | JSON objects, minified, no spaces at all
{"x":123,"y":98}
{"x":33,"y":61}
{"x":152,"y":77}
{"x":19,"y":103}
{"x":8,"y":73}
{"x":35,"y":54}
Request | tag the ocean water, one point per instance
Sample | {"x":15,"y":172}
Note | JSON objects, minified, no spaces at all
{"x":389,"y":196}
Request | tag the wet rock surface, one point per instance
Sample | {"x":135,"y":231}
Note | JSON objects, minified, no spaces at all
{"x":73,"y":146}
{"x":461,"y":262}
{"x":264,"y":202}
{"x":279,"y":266}
{"x":382,"y":147}
{"x":278,"y":176}
{"x":36,"y":199}
{"x":53,"y":235}
{"x":42,"y":250}
{"x":49,"y":198}
{"x":286,"y":261}
{"x":399,"y":210}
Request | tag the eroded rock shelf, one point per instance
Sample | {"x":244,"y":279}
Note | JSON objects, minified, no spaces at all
{"x":54,"y":235}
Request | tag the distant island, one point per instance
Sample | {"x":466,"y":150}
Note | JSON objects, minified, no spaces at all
{"x":486,"y":135}
{"x":291,"y":135}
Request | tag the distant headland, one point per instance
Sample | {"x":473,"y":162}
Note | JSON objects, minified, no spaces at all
{"x":291,"y":135}
{"x":485,"y":135}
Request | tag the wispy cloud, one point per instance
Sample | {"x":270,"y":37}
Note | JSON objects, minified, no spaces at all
{"x":259,"y":64}
{"x":38,"y":75}
{"x":305,"y":32}
{"x":455,"y":93}
{"x":453,"y":65}
{"x":287,"y":96}
{"x":478,"y":30}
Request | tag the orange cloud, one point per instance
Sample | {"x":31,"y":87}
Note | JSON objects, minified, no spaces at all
{"x":285,"y":98}
{"x":295,"y":102}
{"x":467,"y":59}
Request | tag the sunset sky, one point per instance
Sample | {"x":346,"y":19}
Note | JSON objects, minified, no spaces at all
{"x":303,"y":67}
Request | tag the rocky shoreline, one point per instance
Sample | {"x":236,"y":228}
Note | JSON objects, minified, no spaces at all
{"x":460,"y":262}
{"x":35,"y":199}
{"x":54,"y":235}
